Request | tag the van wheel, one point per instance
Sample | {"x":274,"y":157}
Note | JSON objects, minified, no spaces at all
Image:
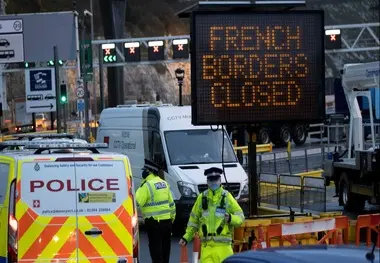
{"x":351,"y":202}
{"x":263,"y":136}
{"x":299,"y":134}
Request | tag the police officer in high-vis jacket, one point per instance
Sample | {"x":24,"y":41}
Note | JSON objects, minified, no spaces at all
{"x":214,"y":216}
{"x":156,"y":204}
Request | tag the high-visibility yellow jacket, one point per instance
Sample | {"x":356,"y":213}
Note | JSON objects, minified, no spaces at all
{"x":155,"y":199}
{"x":207,"y":221}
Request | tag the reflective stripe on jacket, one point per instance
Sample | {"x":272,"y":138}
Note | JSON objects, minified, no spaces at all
{"x":213,"y":217}
{"x":155,"y":199}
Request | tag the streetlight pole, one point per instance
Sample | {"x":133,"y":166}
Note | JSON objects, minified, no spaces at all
{"x":180,"y":75}
{"x":86,"y":93}
{"x":95,"y":105}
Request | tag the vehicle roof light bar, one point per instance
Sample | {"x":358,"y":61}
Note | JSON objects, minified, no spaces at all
{"x":45,"y":136}
{"x":61,"y":146}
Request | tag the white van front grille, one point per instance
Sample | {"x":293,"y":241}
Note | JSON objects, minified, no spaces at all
{"x":234,"y":188}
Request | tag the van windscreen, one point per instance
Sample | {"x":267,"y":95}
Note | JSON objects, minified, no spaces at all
{"x":67,"y":188}
{"x":198,"y":147}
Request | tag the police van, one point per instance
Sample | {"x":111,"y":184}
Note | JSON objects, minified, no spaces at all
{"x":66,"y":202}
{"x":165,"y":134}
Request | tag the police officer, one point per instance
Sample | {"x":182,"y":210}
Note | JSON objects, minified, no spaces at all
{"x":156,"y":204}
{"x":214,"y":216}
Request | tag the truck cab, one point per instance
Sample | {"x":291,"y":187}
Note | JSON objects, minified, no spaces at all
{"x":165,"y":134}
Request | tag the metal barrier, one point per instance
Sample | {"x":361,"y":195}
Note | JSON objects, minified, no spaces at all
{"x":283,"y":190}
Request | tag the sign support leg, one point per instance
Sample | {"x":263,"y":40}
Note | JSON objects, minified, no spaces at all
{"x":101,"y":79}
{"x":86,"y":93}
{"x":57,"y":90}
{"x":252,"y":174}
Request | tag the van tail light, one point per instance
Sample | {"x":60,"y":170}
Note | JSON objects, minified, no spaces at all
{"x":106,"y":139}
{"x":12,"y":227}
{"x":135,"y":231}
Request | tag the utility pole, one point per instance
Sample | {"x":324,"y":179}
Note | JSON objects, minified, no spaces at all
{"x":57,"y":89}
{"x":95,"y":105}
{"x":86,"y":92}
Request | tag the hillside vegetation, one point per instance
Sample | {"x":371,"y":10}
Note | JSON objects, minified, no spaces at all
{"x":147,"y":18}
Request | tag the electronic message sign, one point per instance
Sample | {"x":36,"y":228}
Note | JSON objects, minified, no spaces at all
{"x":256,"y":67}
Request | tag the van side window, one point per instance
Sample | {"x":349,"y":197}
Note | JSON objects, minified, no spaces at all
{"x":157,"y":146}
{"x":4,"y":174}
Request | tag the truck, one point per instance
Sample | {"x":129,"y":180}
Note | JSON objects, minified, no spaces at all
{"x":164,"y":134}
{"x":356,"y":170}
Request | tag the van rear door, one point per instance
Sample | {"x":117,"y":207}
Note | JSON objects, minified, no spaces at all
{"x":46,"y":209}
{"x":105,"y":209}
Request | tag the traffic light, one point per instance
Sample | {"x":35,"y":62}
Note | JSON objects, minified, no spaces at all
{"x":63,"y":99}
{"x":29,"y":65}
{"x":109,"y":53}
{"x":51,"y":63}
{"x":333,"y":39}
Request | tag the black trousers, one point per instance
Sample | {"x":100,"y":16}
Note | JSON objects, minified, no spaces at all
{"x":159,"y":235}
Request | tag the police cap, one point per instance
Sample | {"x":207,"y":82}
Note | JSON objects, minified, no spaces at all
{"x":213,"y":173}
{"x":152,"y":166}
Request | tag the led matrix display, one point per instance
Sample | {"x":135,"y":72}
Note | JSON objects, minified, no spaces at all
{"x":257,"y":67}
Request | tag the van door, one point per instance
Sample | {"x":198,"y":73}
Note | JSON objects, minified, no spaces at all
{"x":46,"y":209}
{"x":105,"y":210}
{"x":4,"y":208}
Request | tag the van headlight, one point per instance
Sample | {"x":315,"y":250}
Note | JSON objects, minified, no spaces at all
{"x":186,"y":189}
{"x":245,"y":190}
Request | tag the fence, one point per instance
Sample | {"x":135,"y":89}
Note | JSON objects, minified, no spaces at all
{"x":300,"y":161}
{"x":281,"y":190}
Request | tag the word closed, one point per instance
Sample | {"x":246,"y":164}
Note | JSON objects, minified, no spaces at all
{"x":254,"y":67}
{"x":70,"y":186}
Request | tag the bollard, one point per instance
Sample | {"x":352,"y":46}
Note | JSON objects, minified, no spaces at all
{"x":261,"y":241}
{"x":183,"y":255}
{"x":196,"y":249}
{"x":339,"y":238}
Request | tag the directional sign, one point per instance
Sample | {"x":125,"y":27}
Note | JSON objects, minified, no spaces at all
{"x":40,"y":90}
{"x":11,"y":41}
{"x":80,"y":104}
{"x":87,"y":48}
{"x":109,"y":53}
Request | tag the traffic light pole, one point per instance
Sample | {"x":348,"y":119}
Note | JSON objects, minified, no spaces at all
{"x":57,"y":90}
{"x":86,"y":93}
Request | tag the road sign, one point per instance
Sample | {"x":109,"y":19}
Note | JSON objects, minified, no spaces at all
{"x":109,"y":53}
{"x":156,"y":50}
{"x":132,"y":51}
{"x":11,"y":41}
{"x":40,"y":90}
{"x":80,"y":92}
{"x":180,"y":48}
{"x":333,"y":39}
{"x":80,"y":104}
{"x":87,"y":48}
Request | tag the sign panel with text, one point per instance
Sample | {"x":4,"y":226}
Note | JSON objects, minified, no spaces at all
{"x":255,"y":67}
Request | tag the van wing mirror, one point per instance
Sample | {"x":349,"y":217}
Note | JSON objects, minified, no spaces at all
{"x":159,"y":159}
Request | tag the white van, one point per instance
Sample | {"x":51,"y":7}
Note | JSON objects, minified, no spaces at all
{"x":165,"y":133}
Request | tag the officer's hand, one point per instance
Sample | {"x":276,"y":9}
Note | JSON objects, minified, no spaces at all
{"x":182,"y":242}
{"x":227,"y":218}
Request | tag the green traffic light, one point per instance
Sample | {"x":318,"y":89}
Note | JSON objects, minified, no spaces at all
{"x":63,"y":99}
{"x":26,"y":64}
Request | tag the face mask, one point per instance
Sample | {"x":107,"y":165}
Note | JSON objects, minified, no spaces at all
{"x":213,"y":185}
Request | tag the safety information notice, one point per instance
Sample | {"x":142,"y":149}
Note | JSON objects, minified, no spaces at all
{"x":68,"y":188}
